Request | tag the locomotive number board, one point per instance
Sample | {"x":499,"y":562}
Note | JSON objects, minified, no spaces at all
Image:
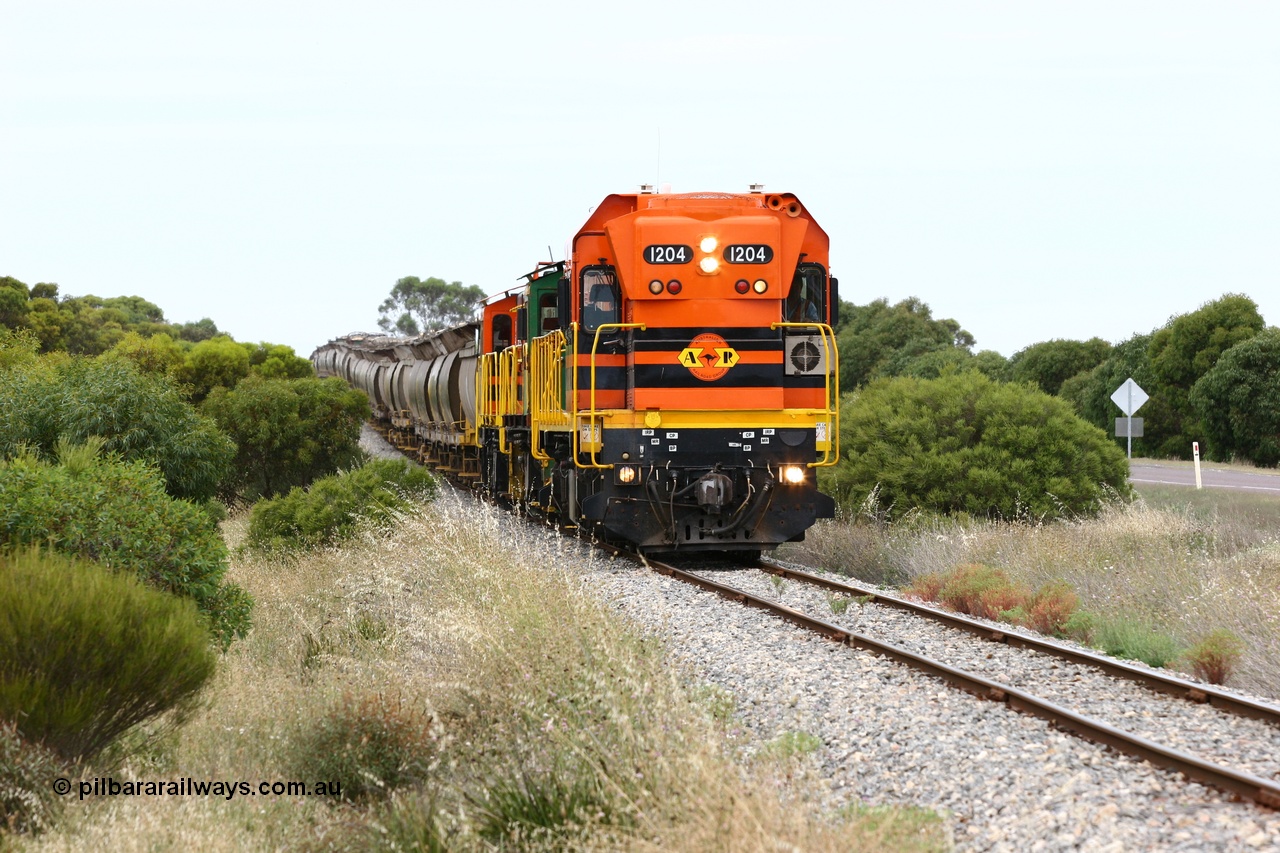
{"x":667,"y":253}
{"x":748,"y":253}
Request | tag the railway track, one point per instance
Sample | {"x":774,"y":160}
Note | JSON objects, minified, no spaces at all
{"x":1160,"y":682}
{"x":1231,"y":779}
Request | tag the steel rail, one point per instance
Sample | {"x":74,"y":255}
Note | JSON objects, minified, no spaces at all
{"x":1244,"y":785}
{"x":1158,"y":682}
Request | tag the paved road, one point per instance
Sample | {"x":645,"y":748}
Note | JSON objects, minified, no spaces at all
{"x":1183,"y":474}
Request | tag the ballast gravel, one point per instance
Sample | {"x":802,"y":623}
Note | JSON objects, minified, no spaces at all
{"x":1003,"y":781}
{"x":1200,"y":729}
{"x":891,"y":736}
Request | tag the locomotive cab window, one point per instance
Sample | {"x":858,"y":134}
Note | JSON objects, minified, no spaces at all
{"x":501,"y":332}
{"x":807,"y":301}
{"x":599,"y":297}
{"x":548,"y":315}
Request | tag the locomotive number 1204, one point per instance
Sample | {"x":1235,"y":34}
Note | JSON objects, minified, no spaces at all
{"x":667,"y":253}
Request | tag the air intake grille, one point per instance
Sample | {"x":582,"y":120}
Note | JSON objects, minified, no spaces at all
{"x":805,"y":355}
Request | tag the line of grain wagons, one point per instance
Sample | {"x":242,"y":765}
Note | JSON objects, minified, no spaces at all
{"x":425,"y":385}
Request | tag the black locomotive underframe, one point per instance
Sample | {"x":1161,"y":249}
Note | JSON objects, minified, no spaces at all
{"x":703,"y":489}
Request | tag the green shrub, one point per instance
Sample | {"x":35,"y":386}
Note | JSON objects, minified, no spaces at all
{"x":1134,"y":639}
{"x":27,"y":770}
{"x":333,"y":507}
{"x":118,"y":514}
{"x":964,"y":444}
{"x":1215,"y":656}
{"x":142,"y":417}
{"x":1081,"y":626}
{"x":86,"y":653}
{"x":365,"y":748}
{"x":17,"y":347}
{"x":288,"y":432}
{"x":277,"y":361}
{"x":1238,"y":401}
{"x":218,"y":362}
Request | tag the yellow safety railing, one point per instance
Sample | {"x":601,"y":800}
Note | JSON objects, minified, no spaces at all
{"x":487,"y":390}
{"x":591,"y":422}
{"x":831,"y":446}
{"x":510,"y":381}
{"x":546,"y":390}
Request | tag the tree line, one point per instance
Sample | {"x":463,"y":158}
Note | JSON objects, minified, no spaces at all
{"x":124,"y":437}
{"x":1213,"y":374}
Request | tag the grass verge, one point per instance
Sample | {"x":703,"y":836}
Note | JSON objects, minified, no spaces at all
{"x":478,"y":698}
{"x":1159,"y":577}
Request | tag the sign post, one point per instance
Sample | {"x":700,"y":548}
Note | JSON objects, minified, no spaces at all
{"x":1129,"y":397}
{"x":1195,"y":452}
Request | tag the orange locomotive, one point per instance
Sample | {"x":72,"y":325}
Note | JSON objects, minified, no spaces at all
{"x":671,"y":385}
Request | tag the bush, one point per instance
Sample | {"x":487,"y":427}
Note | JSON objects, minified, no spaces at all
{"x":1238,"y":401}
{"x":218,"y":362}
{"x":981,"y":591}
{"x":965,"y":444}
{"x":141,"y":417}
{"x":27,"y":771}
{"x":365,"y":748}
{"x":86,"y":654}
{"x":117,"y":513}
{"x":1134,"y":639}
{"x":1184,"y":351}
{"x":1050,"y":610}
{"x":288,"y":432}
{"x":17,"y":347}
{"x":1213,"y":658}
{"x":988,"y":593}
{"x":333,"y":507}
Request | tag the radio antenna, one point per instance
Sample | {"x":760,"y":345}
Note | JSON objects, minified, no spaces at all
{"x":658,"y":182}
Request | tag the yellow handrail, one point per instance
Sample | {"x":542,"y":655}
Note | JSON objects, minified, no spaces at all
{"x":510,"y":368}
{"x":486,"y":392}
{"x":546,"y":391}
{"x":592,"y":414}
{"x":831,"y":391}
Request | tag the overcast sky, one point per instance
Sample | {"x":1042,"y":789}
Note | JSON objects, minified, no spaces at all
{"x":1034,"y":170}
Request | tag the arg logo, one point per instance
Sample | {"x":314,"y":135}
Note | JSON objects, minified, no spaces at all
{"x":708,"y":357}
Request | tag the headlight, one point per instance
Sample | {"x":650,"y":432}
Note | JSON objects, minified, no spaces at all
{"x":626,"y":475}
{"x":708,"y":244}
{"x":709,"y":265}
{"x":792,"y":475}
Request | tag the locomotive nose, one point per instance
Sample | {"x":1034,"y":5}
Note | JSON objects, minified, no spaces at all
{"x":713,"y":490}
